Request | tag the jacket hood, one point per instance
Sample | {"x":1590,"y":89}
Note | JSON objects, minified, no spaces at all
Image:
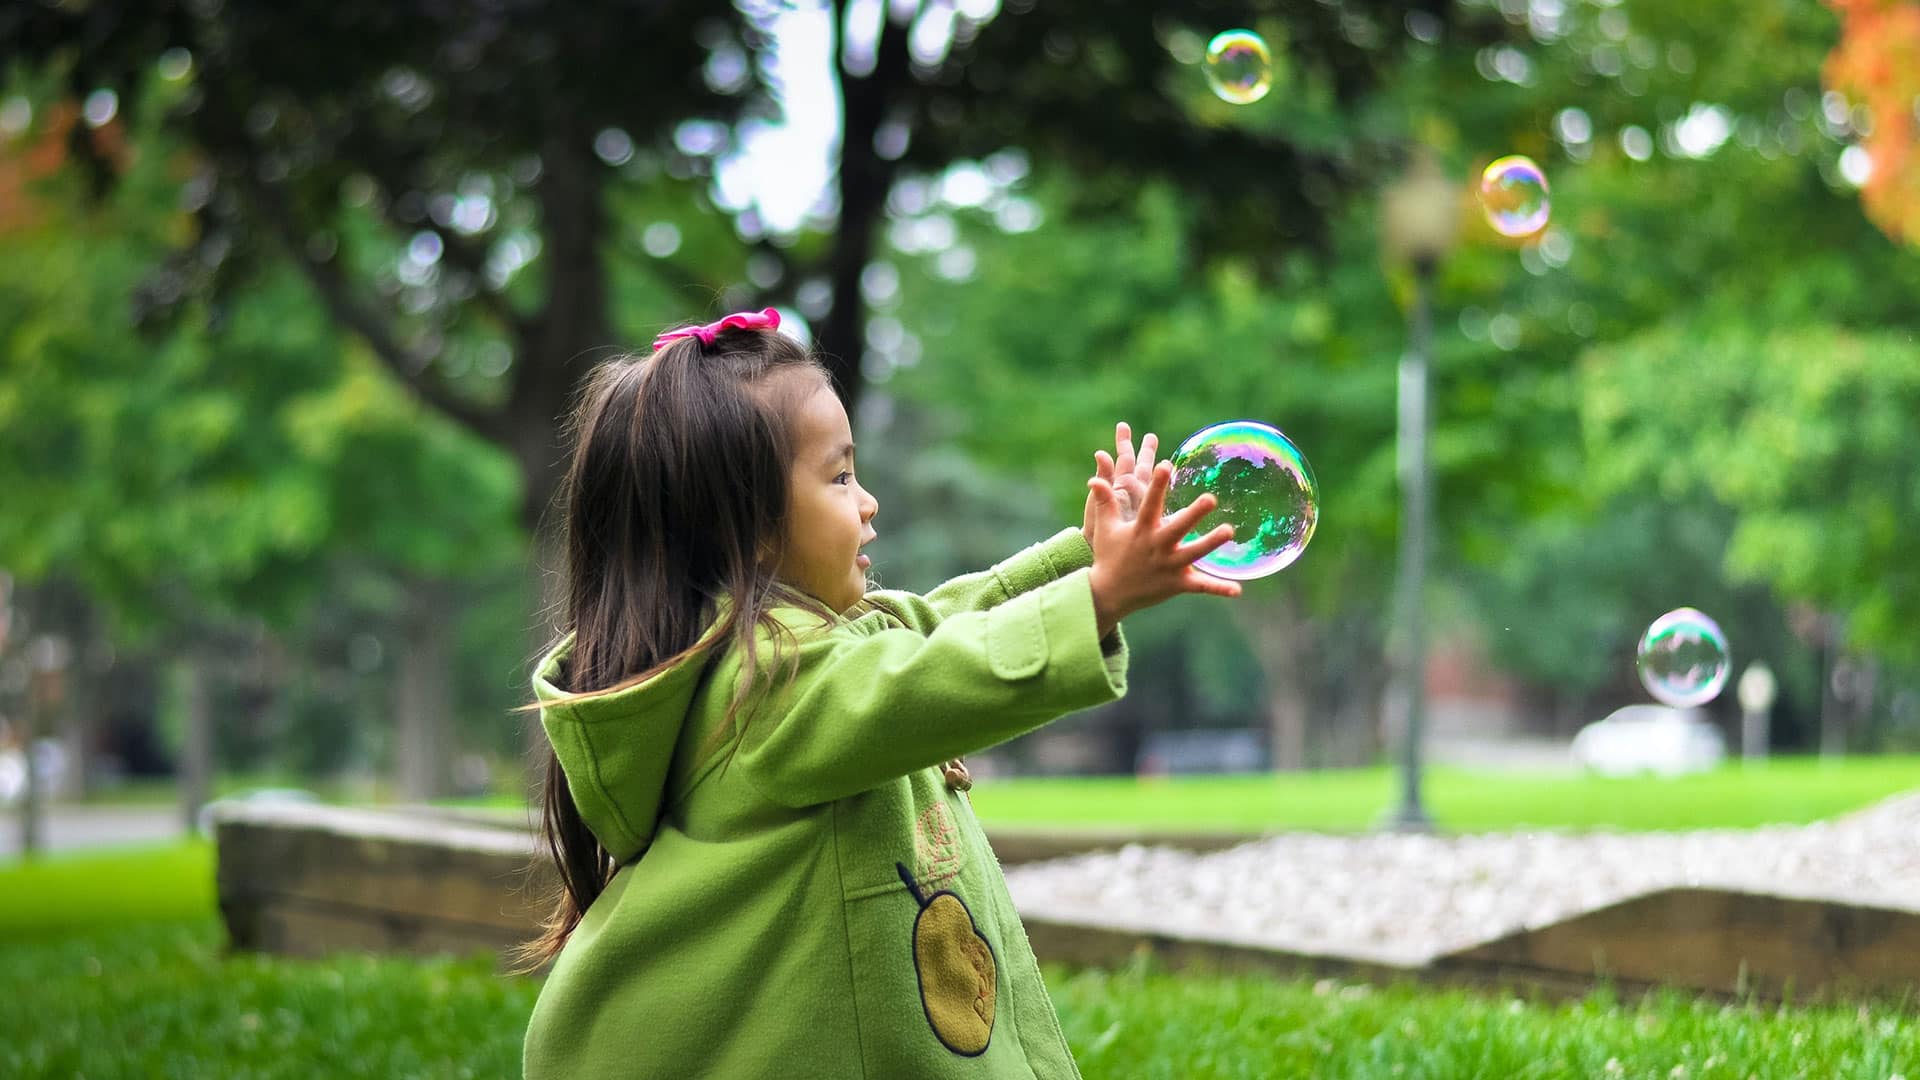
{"x":617,"y":749}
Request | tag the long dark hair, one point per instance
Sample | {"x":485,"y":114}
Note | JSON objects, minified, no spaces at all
{"x":673,"y":501}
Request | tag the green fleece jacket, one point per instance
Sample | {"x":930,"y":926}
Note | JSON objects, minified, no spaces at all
{"x":800,"y":894}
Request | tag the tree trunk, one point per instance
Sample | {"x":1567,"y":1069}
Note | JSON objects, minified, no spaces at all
{"x":196,"y":743}
{"x":1277,"y":635}
{"x":573,"y":330}
{"x":41,"y":710}
{"x":1833,"y":733}
{"x":77,"y":735}
{"x":90,"y":696}
{"x":864,"y":181}
{"x":423,"y":694}
{"x":1353,"y":739}
{"x":1286,"y":731}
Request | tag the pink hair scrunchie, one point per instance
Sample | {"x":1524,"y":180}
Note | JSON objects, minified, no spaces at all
{"x":767,"y":319}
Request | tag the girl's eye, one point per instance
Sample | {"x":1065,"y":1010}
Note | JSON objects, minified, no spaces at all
{"x":843,"y":478}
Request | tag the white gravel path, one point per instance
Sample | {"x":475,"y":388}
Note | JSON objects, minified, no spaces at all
{"x":1404,"y":899}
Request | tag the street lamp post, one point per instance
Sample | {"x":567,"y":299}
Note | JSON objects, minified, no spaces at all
{"x":1420,"y":221}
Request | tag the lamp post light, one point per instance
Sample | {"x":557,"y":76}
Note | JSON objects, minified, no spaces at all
{"x":1420,"y":219}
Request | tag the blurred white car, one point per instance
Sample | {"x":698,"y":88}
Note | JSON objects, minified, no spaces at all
{"x":1650,"y":738}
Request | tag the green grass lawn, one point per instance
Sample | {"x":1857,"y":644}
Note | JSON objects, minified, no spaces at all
{"x":105,"y":888}
{"x":113,"y":964}
{"x":143,"y":986}
{"x":1784,"y":790}
{"x":164,"y":1000}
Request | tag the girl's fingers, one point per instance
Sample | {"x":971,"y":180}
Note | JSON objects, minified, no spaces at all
{"x":1123,"y":442}
{"x":1204,"y":546}
{"x":1154,"y":506}
{"x":1147,"y":447}
{"x":1103,"y":465}
{"x":1102,"y":493}
{"x":1200,"y":581}
{"x":1184,"y":519}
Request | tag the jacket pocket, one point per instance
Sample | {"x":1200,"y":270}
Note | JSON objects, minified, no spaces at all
{"x":928,"y":981}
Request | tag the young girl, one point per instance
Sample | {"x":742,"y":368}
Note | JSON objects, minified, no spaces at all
{"x":767,"y":868}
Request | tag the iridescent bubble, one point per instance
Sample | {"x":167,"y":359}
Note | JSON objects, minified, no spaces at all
{"x":1683,"y":659}
{"x":1239,"y":67}
{"x":1513,"y":192}
{"x":1266,"y":490}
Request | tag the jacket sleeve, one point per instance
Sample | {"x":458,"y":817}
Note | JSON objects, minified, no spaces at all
{"x":1022,"y":572}
{"x":865,"y":709}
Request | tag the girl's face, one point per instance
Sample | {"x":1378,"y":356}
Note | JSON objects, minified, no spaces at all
{"x":829,"y":514}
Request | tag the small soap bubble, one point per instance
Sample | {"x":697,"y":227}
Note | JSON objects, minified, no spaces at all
{"x":1683,"y":658}
{"x":1266,"y":490}
{"x":1513,"y":192}
{"x":1239,"y":67}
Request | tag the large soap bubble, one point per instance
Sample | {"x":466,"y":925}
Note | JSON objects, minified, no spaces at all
{"x":1266,"y":491}
{"x":1683,"y":658}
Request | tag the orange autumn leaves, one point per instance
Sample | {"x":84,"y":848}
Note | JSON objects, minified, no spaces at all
{"x":1876,"y":63}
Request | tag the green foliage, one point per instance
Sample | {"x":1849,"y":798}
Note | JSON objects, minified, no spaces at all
{"x":1169,"y":282}
{"x":1782,"y":791}
{"x":1807,"y":434}
{"x":1079,"y":325}
{"x":210,"y":467}
{"x":1713,"y":287}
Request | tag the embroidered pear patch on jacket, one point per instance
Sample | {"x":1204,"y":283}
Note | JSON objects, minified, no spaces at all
{"x":956,"y":969}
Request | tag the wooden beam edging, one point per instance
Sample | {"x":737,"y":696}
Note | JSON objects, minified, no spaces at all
{"x":1110,"y":947}
{"x":1715,"y":943}
{"x":309,"y":879}
{"x":1719,"y":942}
{"x":1083,"y":944}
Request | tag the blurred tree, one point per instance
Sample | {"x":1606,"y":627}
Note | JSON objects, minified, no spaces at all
{"x":1806,"y":434}
{"x":213,"y":472}
{"x":461,"y":176}
{"x":1053,"y":338}
{"x":485,"y":197}
{"x":1877,"y":60}
{"x":1078,"y":231}
{"x":1696,"y":177}
{"x":1703,"y":190}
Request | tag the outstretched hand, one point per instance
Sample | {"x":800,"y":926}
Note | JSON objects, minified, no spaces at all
{"x":1140,"y":559}
{"x":1127,"y":474}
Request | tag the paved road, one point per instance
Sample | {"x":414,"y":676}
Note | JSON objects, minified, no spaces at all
{"x":68,"y":828}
